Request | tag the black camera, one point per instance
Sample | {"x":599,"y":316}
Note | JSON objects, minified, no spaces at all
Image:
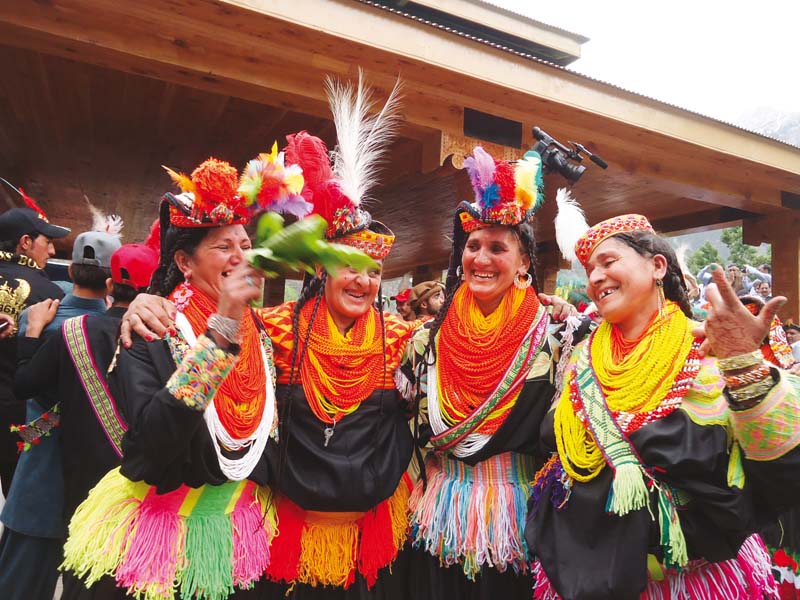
{"x":557,"y":158}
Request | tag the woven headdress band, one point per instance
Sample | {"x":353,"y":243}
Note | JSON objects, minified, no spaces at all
{"x":587,"y":243}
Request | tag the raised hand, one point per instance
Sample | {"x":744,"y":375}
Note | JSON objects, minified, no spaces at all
{"x":730,"y":329}
{"x":148,"y":315}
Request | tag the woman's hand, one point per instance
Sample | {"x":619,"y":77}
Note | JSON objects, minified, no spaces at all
{"x":39,"y":316}
{"x":243,"y":285}
{"x":730,"y":329}
{"x":561,"y":308}
{"x":149,"y":316}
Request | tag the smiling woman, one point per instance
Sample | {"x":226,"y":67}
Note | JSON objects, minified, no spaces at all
{"x":483,"y":369}
{"x":662,"y":462}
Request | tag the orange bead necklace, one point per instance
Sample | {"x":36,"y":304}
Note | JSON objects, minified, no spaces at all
{"x":474,"y":351}
{"x":241,"y":398}
{"x":339,"y":371}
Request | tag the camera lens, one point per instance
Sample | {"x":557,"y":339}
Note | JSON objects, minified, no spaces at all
{"x":555,"y":160}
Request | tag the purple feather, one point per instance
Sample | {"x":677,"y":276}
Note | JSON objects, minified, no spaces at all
{"x":294,"y":205}
{"x":481,"y":168}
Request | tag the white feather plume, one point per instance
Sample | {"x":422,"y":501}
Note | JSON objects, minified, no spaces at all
{"x":570,"y":223}
{"x":363,"y":139}
{"x":112,"y":224}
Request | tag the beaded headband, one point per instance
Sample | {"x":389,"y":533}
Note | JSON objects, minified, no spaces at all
{"x":375,"y":245}
{"x":587,"y":243}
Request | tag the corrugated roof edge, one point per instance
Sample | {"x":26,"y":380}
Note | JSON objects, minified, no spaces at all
{"x":571,"y":71}
{"x":577,"y":36}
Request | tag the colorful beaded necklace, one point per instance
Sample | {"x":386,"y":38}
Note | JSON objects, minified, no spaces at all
{"x":340,"y":371}
{"x":648,"y":383}
{"x":474,"y":351}
{"x":241,"y":398}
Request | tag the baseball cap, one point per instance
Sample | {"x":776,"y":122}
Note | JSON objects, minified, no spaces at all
{"x":16,"y":222}
{"x":402,"y":296}
{"x":133,"y":265}
{"x":95,"y":248}
{"x":423,"y":291}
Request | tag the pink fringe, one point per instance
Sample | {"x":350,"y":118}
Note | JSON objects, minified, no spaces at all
{"x":151,"y":562}
{"x":747,"y":577}
{"x":251,"y":541}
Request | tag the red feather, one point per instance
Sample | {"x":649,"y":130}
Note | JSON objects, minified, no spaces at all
{"x":32,"y":203}
{"x":311,"y":154}
{"x":504,"y":178}
{"x":153,"y":240}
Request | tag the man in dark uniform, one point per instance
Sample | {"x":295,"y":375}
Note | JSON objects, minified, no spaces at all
{"x":26,"y":243}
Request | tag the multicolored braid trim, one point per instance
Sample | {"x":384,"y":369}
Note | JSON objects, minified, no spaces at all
{"x":200,"y":373}
{"x":101,"y":400}
{"x":200,"y":543}
{"x":474,"y":516}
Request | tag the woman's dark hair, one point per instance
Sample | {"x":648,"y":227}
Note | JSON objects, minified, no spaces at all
{"x":90,"y":276}
{"x":167,"y":275}
{"x":648,"y":245}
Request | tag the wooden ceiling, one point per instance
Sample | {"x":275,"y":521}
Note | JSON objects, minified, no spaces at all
{"x":97,"y":95}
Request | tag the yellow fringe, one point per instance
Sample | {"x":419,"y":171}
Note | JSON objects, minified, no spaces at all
{"x":398,"y":509}
{"x":98,"y":531}
{"x":328,"y":552}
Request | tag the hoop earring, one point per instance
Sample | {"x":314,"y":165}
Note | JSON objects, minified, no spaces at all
{"x":523,"y":283}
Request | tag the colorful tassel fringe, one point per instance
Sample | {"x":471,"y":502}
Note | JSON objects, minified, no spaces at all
{"x":318,"y":548}
{"x":474,"y":516}
{"x":746,"y":577}
{"x":202,"y":543}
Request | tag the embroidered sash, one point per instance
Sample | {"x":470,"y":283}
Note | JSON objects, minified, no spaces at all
{"x":510,"y":383}
{"x":103,"y":405}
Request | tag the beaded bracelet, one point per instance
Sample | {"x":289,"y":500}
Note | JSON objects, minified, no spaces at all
{"x":225,"y":326}
{"x":742,"y":361}
{"x":746,"y":378}
{"x":752,"y":391}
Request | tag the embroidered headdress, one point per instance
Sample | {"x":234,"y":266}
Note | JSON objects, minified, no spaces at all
{"x":337,"y":186}
{"x":209,"y":198}
{"x":505,"y":193}
{"x":576,"y":240}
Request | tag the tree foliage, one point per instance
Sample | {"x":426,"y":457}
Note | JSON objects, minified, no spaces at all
{"x":740,"y":253}
{"x":704,"y":255}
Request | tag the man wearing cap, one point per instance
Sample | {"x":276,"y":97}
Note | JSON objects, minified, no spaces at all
{"x":34,"y":518}
{"x":403,"y":306}
{"x":26,"y":243}
{"x":426,"y":299}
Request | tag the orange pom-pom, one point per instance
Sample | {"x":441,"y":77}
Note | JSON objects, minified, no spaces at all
{"x":215,"y":182}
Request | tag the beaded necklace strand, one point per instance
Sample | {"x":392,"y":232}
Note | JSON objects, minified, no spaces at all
{"x":340,"y":371}
{"x":241,"y":398}
{"x":474,"y":351}
{"x":646,"y":385}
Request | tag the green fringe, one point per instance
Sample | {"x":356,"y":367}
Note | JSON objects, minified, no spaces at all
{"x":735,"y":468}
{"x":672,"y":540}
{"x":208,"y":574}
{"x":628,"y":490}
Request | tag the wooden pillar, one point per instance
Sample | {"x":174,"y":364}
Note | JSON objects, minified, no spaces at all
{"x":548,"y":263}
{"x":782,"y":233}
